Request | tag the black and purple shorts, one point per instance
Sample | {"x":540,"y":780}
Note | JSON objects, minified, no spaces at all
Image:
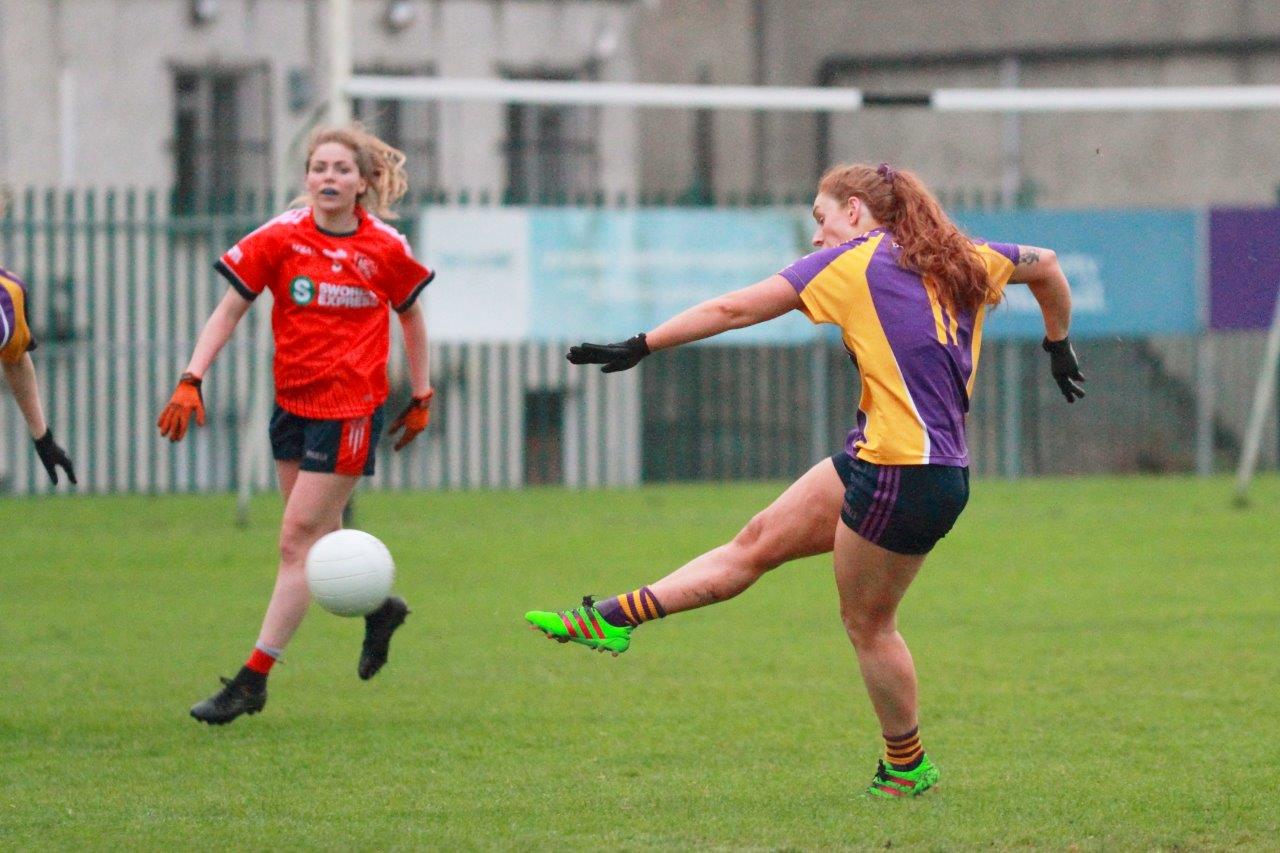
{"x":902,"y":508}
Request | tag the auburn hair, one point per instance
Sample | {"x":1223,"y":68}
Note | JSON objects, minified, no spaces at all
{"x":931,"y":243}
{"x":379,"y":164}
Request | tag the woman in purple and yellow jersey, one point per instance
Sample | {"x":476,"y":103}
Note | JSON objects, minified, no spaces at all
{"x":16,"y":341}
{"x":909,"y":293}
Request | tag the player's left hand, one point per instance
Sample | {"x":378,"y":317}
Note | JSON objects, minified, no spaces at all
{"x":52,"y":455}
{"x":1065,"y":368}
{"x":623,"y":355}
{"x":413,"y":419}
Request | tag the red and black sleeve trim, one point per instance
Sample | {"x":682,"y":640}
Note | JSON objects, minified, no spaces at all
{"x":235,"y":281}
{"x":413,"y":294}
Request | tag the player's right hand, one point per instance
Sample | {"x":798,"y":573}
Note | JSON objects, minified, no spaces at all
{"x":620,"y":356}
{"x":177,"y":414}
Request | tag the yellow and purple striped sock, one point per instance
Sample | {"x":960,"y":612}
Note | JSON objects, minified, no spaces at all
{"x":632,"y":608}
{"x":904,"y":752}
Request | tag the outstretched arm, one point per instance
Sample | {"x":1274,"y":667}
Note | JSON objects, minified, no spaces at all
{"x":762,"y":301}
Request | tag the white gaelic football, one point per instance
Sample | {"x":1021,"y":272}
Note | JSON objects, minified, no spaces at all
{"x":350,"y":572}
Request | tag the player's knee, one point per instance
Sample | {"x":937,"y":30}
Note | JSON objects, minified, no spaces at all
{"x":752,"y":545}
{"x":866,"y":625}
{"x":297,"y":537}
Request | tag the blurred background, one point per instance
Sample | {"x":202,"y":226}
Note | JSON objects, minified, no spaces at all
{"x":141,"y":138}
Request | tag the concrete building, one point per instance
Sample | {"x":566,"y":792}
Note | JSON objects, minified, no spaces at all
{"x":210,"y":96}
{"x":1078,"y":160}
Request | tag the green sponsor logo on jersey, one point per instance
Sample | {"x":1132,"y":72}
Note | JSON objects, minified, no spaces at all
{"x":303,"y":290}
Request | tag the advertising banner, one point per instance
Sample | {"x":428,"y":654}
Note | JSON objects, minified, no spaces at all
{"x":597,"y":274}
{"x":1132,"y":273}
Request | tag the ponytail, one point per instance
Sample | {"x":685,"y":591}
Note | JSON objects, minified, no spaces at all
{"x":379,"y":164}
{"x":931,"y":243}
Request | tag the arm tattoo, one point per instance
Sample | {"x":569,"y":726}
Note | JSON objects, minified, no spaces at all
{"x":1028,"y":255}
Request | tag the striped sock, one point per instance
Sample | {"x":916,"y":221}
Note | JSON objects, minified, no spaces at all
{"x":904,"y":752}
{"x":262,"y":659}
{"x":632,"y":608}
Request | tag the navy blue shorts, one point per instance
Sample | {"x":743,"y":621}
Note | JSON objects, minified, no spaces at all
{"x":328,"y":447}
{"x":902,"y":508}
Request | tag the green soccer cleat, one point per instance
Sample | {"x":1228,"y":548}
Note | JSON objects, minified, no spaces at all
{"x":582,"y":625}
{"x":892,"y":784}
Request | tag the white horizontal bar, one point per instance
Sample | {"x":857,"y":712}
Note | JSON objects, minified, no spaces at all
{"x":605,"y":94}
{"x":812,"y":99}
{"x":1107,"y":99}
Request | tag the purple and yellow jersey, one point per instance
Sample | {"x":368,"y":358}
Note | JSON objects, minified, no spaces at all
{"x":917,"y":359}
{"x":15,"y":335}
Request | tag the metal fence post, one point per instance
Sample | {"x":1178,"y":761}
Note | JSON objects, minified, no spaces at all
{"x":1011,"y":408}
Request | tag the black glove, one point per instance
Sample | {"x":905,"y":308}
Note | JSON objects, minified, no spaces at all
{"x":620,"y":356}
{"x":51,"y":455}
{"x":1064,"y":367}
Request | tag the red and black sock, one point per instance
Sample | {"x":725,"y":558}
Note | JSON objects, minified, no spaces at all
{"x":632,"y":609}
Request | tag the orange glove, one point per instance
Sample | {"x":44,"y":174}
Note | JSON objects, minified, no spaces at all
{"x":177,"y":415}
{"x":413,"y":419}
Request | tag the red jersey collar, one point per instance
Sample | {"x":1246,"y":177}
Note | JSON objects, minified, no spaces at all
{"x":361,"y":219}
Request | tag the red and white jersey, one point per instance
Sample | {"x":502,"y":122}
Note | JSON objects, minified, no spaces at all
{"x":330,"y":315}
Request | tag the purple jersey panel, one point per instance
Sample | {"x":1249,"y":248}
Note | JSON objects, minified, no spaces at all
{"x":936,"y":375}
{"x":1009,"y":250}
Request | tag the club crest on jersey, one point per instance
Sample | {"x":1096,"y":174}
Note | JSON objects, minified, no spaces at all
{"x":302,"y":290}
{"x":337,"y":256}
{"x":365,"y":264}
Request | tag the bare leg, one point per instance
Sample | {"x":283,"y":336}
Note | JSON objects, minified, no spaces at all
{"x":287,"y":474}
{"x":797,"y":524}
{"x":872,"y":581}
{"x":313,"y":508}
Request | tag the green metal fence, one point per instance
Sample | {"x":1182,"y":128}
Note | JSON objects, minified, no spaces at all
{"x":120,"y":289}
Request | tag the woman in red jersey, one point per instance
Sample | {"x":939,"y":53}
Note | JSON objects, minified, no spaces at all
{"x":333,"y":269}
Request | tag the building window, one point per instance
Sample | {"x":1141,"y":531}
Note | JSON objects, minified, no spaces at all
{"x":411,"y":126}
{"x":220,"y":133}
{"x":552,"y":150}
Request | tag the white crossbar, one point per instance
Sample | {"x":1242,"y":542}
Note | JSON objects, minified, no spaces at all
{"x":813,"y":99}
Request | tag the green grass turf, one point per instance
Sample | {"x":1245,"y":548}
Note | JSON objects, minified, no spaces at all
{"x":1097,"y":661}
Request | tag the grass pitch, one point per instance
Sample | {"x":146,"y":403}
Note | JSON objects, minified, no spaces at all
{"x":1097,"y":662}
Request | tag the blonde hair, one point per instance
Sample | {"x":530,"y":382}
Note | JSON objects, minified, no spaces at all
{"x":379,"y":164}
{"x":931,"y":243}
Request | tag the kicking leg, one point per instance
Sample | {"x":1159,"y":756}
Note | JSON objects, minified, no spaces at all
{"x":797,"y":524}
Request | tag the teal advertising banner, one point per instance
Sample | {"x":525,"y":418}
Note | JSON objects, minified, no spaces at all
{"x":597,"y":274}
{"x":607,"y":274}
{"x":1132,"y":273}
